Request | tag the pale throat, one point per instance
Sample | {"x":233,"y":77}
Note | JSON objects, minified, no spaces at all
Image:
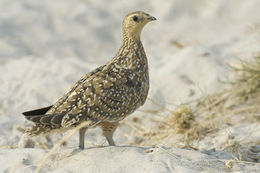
{"x":133,"y":34}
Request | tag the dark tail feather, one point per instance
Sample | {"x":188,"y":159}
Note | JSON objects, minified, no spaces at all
{"x":37,"y":112}
{"x":35,"y":118}
{"x":52,"y":120}
{"x":46,"y":119}
{"x":56,"y":120}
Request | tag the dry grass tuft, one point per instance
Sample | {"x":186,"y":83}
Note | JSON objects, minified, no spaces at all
{"x":181,"y":119}
{"x":187,"y":124}
{"x":248,"y":78}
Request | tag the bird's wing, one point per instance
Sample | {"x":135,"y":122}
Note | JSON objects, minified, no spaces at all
{"x":103,"y":94}
{"x":109,"y":95}
{"x":61,"y":103}
{"x":52,"y":115}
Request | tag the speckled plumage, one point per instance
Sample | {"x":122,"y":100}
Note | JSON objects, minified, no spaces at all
{"x":107,"y":94}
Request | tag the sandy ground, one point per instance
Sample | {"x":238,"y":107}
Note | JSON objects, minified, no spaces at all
{"x":46,"y":46}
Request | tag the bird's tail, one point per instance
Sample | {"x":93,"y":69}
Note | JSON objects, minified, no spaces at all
{"x":33,"y":114}
{"x":42,"y":121}
{"x":46,"y":123}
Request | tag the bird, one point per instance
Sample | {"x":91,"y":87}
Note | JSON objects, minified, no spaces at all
{"x":104,"y":96}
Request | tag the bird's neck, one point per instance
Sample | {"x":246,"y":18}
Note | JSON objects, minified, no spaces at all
{"x":130,"y":43}
{"x":130,"y":48}
{"x":131,"y":35}
{"x":130,"y":55}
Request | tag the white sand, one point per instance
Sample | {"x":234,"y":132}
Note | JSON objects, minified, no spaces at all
{"x":114,"y":159}
{"x":46,"y":46}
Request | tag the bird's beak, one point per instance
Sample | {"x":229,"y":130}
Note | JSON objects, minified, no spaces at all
{"x":151,"y":18}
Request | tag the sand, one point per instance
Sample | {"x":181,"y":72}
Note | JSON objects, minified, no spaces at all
{"x":46,"y":46}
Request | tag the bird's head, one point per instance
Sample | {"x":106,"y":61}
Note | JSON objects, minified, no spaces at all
{"x":134,"y":22}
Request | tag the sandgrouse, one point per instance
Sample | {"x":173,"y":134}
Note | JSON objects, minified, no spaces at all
{"x":105,"y":95}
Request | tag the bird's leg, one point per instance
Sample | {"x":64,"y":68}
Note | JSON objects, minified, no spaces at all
{"x":82,"y":137}
{"x":110,"y":139}
{"x":108,"y":131}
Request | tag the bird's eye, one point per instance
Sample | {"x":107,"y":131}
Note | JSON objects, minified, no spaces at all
{"x":135,"y":18}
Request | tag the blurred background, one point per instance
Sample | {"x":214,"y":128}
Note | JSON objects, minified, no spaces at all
{"x":46,"y":46}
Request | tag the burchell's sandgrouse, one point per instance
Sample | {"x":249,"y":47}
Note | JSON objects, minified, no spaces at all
{"x":105,"y":95}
